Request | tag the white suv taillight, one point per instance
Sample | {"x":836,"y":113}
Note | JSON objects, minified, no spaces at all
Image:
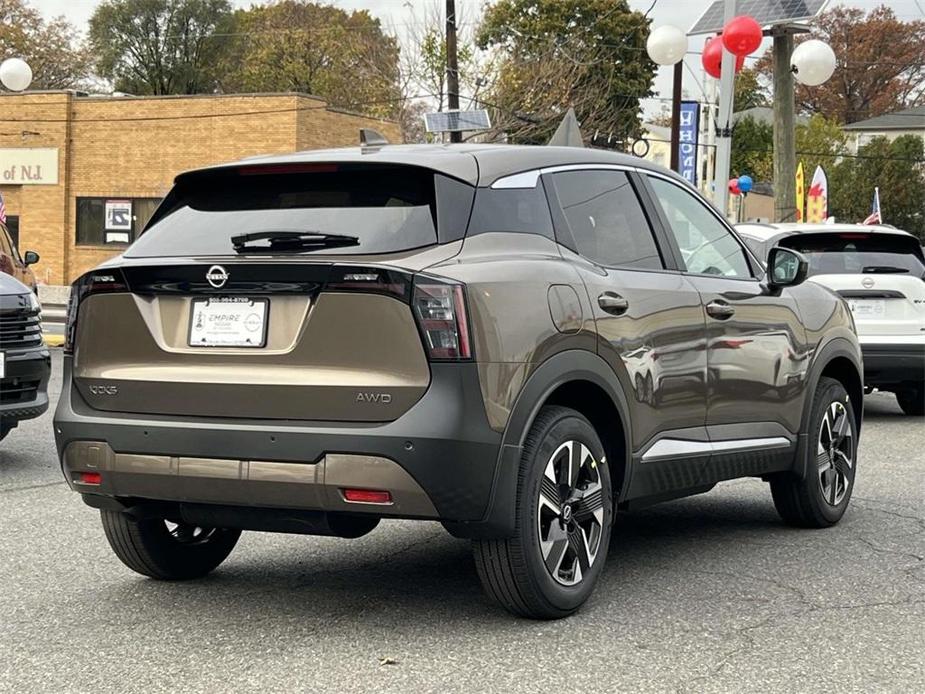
{"x":440,"y":310}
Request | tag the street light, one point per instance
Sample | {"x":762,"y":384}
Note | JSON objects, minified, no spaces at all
{"x":813,"y":62}
{"x":667,"y":45}
{"x":15,"y":74}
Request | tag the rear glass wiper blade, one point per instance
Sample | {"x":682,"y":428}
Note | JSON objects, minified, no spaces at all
{"x":883,"y":268}
{"x":290,"y":241}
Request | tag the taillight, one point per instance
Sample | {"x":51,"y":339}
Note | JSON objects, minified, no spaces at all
{"x":96,"y":282}
{"x":440,"y":309}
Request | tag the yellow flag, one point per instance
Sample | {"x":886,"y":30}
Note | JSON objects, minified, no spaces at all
{"x":801,"y":193}
{"x":817,"y":197}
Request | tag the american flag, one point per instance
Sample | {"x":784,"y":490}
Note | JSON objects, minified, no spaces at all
{"x":2,"y":210}
{"x":873,"y":218}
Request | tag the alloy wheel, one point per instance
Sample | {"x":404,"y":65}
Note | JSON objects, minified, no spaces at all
{"x":835,"y":453}
{"x":570,"y":513}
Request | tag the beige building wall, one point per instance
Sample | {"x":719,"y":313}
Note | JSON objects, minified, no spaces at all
{"x":130,"y":147}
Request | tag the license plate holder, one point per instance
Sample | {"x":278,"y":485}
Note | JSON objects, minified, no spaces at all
{"x":228,"y":321}
{"x":863,"y":308}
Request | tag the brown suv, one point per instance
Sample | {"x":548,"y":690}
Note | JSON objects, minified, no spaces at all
{"x":515,"y":341}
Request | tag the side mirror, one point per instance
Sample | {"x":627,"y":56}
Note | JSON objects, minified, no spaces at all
{"x":31,"y":258}
{"x":786,"y":267}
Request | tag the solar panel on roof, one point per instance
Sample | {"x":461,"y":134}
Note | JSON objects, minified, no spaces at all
{"x":765,"y":12}
{"x":456,"y":121}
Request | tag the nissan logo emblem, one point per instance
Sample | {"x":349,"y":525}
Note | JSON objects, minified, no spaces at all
{"x":867,"y":282}
{"x":217,"y":276}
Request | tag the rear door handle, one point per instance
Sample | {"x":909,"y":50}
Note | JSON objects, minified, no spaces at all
{"x":613,"y":303}
{"x":720,"y":310}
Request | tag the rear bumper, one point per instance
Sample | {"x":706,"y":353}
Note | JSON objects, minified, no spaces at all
{"x":439,"y":459}
{"x":888,"y":364}
{"x":24,"y":388}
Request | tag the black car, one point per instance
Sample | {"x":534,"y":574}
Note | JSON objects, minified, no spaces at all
{"x":25,"y":362}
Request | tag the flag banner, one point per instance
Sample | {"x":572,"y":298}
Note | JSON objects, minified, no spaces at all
{"x":801,"y":193}
{"x":874,"y":217}
{"x":817,"y":198}
{"x":687,"y":140}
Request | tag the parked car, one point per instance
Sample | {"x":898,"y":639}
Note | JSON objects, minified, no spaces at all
{"x":13,"y":264}
{"x":880,"y":272}
{"x":25,"y":362}
{"x":313,"y":342}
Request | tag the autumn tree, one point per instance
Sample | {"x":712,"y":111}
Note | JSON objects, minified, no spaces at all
{"x":553,"y":54}
{"x":343,"y":57}
{"x":53,"y":50}
{"x":880,"y":65}
{"x":749,"y":91}
{"x":160,"y":46}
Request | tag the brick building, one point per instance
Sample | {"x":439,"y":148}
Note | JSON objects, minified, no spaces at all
{"x":80,"y":175}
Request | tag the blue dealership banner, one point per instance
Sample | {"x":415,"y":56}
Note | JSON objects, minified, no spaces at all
{"x":688,"y":138}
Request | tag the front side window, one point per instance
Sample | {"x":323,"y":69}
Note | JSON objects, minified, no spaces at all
{"x":707,"y":247}
{"x":606,"y":219}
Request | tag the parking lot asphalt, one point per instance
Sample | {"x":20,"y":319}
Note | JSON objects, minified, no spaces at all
{"x":706,"y":594}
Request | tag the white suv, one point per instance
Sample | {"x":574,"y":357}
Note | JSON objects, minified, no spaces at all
{"x":880,"y":272}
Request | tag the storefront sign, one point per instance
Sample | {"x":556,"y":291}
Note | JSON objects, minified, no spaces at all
{"x":118,"y":215}
{"x":24,"y":166}
{"x":690,"y":131}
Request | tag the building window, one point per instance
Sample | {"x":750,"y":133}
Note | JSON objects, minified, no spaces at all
{"x":112,"y":221}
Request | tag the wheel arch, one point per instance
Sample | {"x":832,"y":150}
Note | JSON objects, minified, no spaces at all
{"x":574,"y":378}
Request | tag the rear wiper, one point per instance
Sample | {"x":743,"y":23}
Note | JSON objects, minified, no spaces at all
{"x":290,"y":241}
{"x":883,"y":268}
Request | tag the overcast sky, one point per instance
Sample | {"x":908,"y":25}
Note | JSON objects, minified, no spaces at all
{"x":396,"y":13}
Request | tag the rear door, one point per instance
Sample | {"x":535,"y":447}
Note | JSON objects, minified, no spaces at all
{"x":756,"y":356}
{"x":187,"y":324}
{"x":648,"y":316}
{"x":880,"y":274}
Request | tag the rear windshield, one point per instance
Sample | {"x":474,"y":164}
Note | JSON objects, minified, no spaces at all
{"x":858,"y":253}
{"x":388,"y":208}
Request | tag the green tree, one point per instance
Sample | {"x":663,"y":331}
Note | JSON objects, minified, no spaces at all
{"x":749,"y":92}
{"x":821,"y":142}
{"x":751,"y":150}
{"x":552,"y":54}
{"x":160,"y":46}
{"x":897,"y":168}
{"x":57,"y":58}
{"x":295,"y":45}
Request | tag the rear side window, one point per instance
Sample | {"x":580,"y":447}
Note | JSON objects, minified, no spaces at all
{"x":518,"y":210}
{"x":858,"y":253}
{"x":606,"y":219}
{"x":388,"y":208}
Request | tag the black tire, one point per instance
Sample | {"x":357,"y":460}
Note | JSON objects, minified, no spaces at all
{"x":912,"y":400}
{"x":513,"y":571}
{"x":819,"y":499}
{"x":169,"y":553}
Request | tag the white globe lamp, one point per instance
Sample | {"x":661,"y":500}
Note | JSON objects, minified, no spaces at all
{"x":667,"y":45}
{"x":813,"y":62}
{"x":15,"y":74}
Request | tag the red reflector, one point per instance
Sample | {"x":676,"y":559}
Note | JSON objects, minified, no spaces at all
{"x":368,"y":496}
{"x":90,"y":478}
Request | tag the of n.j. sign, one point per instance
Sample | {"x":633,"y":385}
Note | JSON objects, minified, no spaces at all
{"x":28,"y":166}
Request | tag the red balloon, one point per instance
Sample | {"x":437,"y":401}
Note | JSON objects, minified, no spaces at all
{"x":742,"y":35}
{"x":734,"y":186}
{"x":712,"y":57}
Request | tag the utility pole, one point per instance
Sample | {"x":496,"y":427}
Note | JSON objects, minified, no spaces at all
{"x":676,"y":116}
{"x":724,"y":122}
{"x":785,"y":157}
{"x":452,"y":67}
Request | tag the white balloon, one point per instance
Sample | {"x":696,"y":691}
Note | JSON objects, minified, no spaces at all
{"x":813,"y":62}
{"x":15,"y":74}
{"x":667,"y":45}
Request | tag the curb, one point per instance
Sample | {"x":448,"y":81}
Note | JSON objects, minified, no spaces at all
{"x":54,"y":340}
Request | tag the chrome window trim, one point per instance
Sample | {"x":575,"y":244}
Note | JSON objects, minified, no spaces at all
{"x":671,"y":448}
{"x":529,"y":179}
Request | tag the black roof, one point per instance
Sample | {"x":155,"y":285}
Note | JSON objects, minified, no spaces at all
{"x":477,"y":164}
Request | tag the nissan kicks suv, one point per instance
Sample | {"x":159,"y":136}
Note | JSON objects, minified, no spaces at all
{"x":517,"y":342}
{"x":880,"y":272}
{"x":25,"y":362}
